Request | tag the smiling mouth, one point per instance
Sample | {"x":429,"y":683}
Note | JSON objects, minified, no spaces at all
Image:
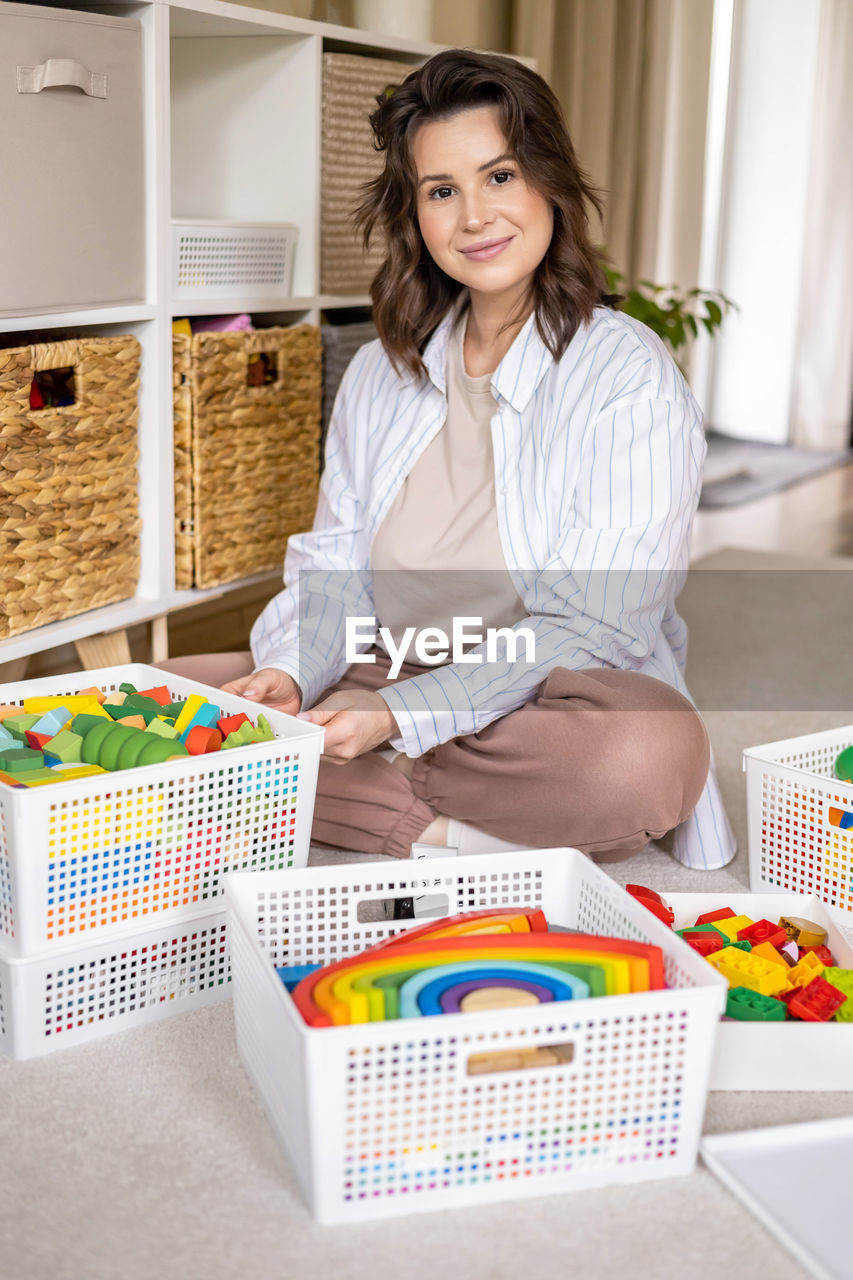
{"x":486,"y":249}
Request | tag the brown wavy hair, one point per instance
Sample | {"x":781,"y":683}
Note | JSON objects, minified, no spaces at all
{"x":410,"y":293}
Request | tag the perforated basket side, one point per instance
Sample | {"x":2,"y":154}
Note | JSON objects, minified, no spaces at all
{"x":111,"y":851}
{"x":396,"y":1121}
{"x":73,"y":996}
{"x":795,"y":807}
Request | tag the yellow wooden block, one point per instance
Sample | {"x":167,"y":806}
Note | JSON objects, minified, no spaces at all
{"x":732,"y":925}
{"x":76,"y":703}
{"x":767,"y":951}
{"x":190,"y":707}
{"x":742,"y":969}
{"x":77,"y":770}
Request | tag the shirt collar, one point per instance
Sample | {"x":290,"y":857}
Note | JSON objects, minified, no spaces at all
{"x":518,"y":374}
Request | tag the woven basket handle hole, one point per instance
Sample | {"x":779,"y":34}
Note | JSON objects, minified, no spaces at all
{"x":262,"y":369}
{"x":53,"y":388}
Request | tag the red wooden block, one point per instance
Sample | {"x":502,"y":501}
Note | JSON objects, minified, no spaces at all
{"x":653,"y":902}
{"x":708,"y":917}
{"x":202,"y":739}
{"x":817,"y":1002}
{"x":763,"y":931}
{"x":229,"y":724}
{"x":38,"y":740}
{"x":160,"y":694}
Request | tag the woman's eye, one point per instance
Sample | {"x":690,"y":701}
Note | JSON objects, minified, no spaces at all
{"x":442,"y":193}
{"x":502,"y":176}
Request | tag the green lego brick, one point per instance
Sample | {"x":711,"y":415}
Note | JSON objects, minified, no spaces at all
{"x":843,"y":980}
{"x":751,"y":1006}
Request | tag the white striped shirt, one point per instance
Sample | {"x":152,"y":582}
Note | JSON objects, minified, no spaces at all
{"x":598,"y":460}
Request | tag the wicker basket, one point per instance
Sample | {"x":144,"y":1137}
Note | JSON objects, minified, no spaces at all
{"x":68,"y":482}
{"x":246,"y":456}
{"x":350,"y":88}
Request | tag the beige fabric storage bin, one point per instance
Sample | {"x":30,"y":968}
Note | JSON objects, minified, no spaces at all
{"x":247,"y":449}
{"x":71,"y":137}
{"x":351,"y":84}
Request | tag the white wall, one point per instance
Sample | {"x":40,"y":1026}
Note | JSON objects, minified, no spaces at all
{"x":763,"y":215}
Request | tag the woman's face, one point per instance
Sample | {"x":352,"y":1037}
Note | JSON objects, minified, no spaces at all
{"x":481,"y":221}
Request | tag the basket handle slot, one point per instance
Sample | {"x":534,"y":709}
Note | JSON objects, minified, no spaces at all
{"x":521,"y":1058}
{"x":261,"y":368}
{"x":53,"y":388}
{"x":408,"y":904}
{"x":62,"y":73}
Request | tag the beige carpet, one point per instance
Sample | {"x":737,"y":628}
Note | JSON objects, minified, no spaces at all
{"x":146,"y":1156}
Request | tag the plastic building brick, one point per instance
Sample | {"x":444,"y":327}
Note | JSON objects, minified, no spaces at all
{"x":705,"y":943}
{"x":766,"y":951}
{"x":823,"y":953}
{"x":732,"y":925}
{"x":842,"y":980}
{"x":817,"y":1002}
{"x":708,"y":917}
{"x":744,"y":970}
{"x":806,"y":970}
{"x":764,"y":931}
{"x":652,"y":901}
{"x":751,"y":1006}
{"x":804,"y":932}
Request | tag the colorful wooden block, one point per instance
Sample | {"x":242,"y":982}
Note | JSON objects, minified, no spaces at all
{"x":21,"y":760}
{"x":9,"y":709}
{"x":19,"y":724}
{"x":37,"y":740}
{"x":65,"y":748}
{"x":230,"y":724}
{"x":133,"y":722}
{"x":202,"y":738}
{"x":161,"y":727}
{"x":159,"y":694}
{"x":188,"y":711}
{"x":75,"y":703}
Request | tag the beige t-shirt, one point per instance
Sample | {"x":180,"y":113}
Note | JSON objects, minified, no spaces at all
{"x":437,"y":554}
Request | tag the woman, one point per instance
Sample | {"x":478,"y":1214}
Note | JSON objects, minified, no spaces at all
{"x":511,"y":449}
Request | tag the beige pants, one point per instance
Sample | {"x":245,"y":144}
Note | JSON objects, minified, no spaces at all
{"x":601,"y":760}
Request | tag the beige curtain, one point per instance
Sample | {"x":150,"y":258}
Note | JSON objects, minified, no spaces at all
{"x":822,"y":392}
{"x":633,"y":79}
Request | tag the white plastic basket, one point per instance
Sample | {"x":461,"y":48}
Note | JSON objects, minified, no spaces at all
{"x":383,"y":1119}
{"x":65,"y":998}
{"x":213,"y":259}
{"x":793,"y":846}
{"x":778,"y":1055}
{"x":117,"y":849}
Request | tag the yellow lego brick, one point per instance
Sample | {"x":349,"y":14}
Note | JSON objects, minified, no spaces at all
{"x":742,"y":969}
{"x":766,"y":951}
{"x":76,"y":703}
{"x":732,"y":925}
{"x":190,"y":707}
{"x":806,"y":969}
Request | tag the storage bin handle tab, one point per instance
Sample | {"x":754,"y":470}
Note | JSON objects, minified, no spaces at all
{"x":62,"y":73}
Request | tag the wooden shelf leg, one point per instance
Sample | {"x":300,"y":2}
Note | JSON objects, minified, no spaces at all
{"x":110,"y":650}
{"x":12,"y":671}
{"x":160,"y":638}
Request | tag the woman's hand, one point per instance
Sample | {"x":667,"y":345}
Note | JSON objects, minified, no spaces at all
{"x":355,"y":722}
{"x":273,"y":688}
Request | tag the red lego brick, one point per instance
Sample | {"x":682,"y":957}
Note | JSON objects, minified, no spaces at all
{"x":708,"y":917}
{"x":764,"y":931}
{"x":823,"y":953}
{"x":653,"y":902}
{"x":817,"y":1002}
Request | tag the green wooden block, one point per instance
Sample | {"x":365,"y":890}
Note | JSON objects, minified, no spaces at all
{"x":18,"y":725}
{"x":66,"y":746}
{"x":115,"y":709}
{"x":21,"y":761}
{"x":265,"y":733}
{"x":39,"y":777}
{"x":136,"y":705}
{"x":161,"y":728}
{"x":173,"y":709}
{"x":127,"y":688}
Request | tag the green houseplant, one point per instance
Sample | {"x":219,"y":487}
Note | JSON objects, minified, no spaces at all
{"x":676,"y":317}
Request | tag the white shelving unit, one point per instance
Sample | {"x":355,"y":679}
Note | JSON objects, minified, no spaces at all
{"x":232,"y":131}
